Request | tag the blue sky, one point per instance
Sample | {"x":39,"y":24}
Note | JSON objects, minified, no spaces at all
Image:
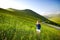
{"x":43,"y":7}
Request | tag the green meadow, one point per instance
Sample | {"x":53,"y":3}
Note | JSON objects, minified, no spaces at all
{"x":55,"y":19}
{"x":21,"y":25}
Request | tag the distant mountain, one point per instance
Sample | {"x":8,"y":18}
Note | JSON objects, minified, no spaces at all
{"x":54,"y":18}
{"x":28,"y":15}
{"x":52,"y":15}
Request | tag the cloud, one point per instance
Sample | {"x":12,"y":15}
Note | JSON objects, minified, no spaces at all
{"x":12,"y":4}
{"x":21,"y":4}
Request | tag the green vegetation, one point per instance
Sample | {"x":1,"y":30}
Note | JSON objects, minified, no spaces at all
{"x":20,"y":25}
{"x":56,"y":19}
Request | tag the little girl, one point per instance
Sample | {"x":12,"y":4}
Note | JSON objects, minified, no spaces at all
{"x":38,"y":26}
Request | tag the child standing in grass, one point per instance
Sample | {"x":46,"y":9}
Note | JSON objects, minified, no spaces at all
{"x":38,"y":29}
{"x":38,"y":26}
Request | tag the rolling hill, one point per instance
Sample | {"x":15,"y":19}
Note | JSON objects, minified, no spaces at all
{"x":32,"y":14}
{"x":55,"y":18}
{"x":21,"y":25}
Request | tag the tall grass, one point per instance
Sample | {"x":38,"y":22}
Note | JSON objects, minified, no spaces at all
{"x":13,"y":27}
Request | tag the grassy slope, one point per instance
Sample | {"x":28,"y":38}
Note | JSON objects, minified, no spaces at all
{"x":20,"y":27}
{"x":55,"y":19}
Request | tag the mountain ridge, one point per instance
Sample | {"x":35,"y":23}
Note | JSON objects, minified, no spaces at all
{"x":30,"y":14}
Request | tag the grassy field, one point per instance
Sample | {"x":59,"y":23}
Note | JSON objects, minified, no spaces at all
{"x":55,"y":19}
{"x":15,"y":27}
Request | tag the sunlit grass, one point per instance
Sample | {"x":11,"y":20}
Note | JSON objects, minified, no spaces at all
{"x":13,"y":27}
{"x":55,"y":19}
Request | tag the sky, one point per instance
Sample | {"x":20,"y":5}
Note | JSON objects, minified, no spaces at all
{"x":42,"y":7}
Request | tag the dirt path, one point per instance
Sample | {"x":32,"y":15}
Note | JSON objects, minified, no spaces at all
{"x":53,"y":26}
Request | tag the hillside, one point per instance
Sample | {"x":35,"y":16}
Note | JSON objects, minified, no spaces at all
{"x":55,"y":18}
{"x":21,"y":25}
{"x":32,"y":14}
